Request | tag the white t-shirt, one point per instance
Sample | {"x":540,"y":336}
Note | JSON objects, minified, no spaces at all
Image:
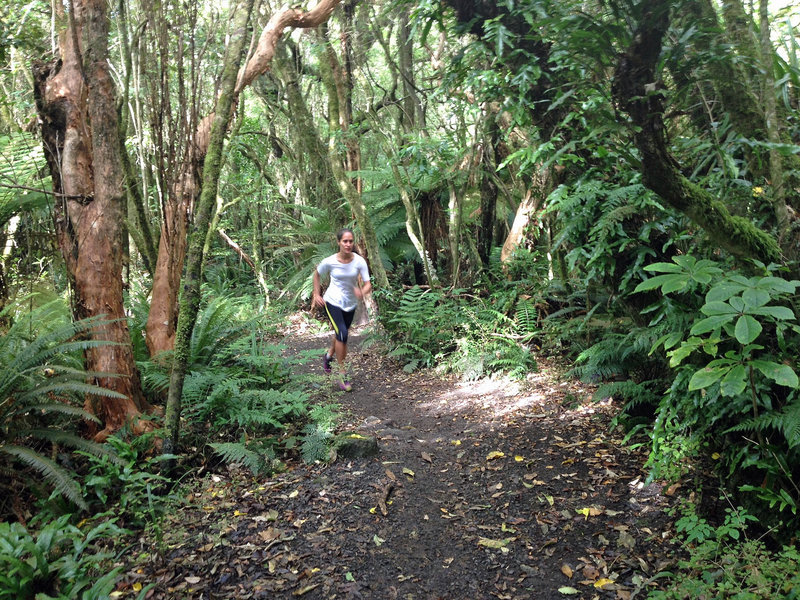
{"x":344,"y":279}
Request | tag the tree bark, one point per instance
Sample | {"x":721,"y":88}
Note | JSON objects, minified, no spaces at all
{"x":81,"y":143}
{"x":488,"y":188}
{"x":635,"y":89}
{"x":212,"y":165}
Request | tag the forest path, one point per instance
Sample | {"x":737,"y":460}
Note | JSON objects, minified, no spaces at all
{"x":489,"y":489}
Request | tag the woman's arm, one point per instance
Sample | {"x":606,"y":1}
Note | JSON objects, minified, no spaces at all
{"x":316,"y":299}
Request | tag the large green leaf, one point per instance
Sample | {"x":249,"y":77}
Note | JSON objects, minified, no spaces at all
{"x":734,"y":382}
{"x":747,"y":329}
{"x":718,"y":308}
{"x":781,"y":313}
{"x":780,"y":374}
{"x":711,"y":324}
{"x":706,"y":377}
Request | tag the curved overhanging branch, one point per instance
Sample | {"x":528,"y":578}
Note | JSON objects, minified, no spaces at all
{"x":293,"y":18}
{"x":636,"y":91}
{"x":261,"y":60}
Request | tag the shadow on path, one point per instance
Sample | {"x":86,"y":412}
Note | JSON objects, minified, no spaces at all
{"x":489,"y":489}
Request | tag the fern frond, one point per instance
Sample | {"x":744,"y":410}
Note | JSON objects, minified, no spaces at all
{"x":787,"y":421}
{"x":65,"y":438}
{"x":316,"y":443}
{"x":44,"y":408}
{"x":58,"y":477}
{"x":239,"y":454}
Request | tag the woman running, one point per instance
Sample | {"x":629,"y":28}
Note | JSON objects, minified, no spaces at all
{"x":341,"y":298}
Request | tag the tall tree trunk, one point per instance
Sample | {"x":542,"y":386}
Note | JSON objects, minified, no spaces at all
{"x":81,"y":143}
{"x":454,"y":231}
{"x":635,"y":91}
{"x":778,"y":191}
{"x":212,"y":165}
{"x":488,"y":188}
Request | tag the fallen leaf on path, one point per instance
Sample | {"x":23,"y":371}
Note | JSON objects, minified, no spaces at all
{"x":305,"y":590}
{"x":408,"y":472}
{"x":602,"y":582}
{"x":590,"y":511}
{"x":426,"y":457}
{"x":567,"y":570}
{"x":568,"y":590}
{"x":378,"y":540}
{"x":495,"y":544}
{"x":495,"y":455}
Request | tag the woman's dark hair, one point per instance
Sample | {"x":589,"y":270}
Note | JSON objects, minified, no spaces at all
{"x":342,"y":231}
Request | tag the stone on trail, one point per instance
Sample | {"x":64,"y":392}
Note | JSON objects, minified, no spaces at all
{"x":355,"y":445}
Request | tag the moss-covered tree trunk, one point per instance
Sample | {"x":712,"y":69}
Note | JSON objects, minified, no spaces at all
{"x":190,"y":290}
{"x":636,"y":91}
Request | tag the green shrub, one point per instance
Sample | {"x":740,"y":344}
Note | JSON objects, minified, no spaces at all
{"x":723,"y":563}
{"x":42,"y":389}
{"x":131,"y":489}
{"x":60,"y":561}
{"x":734,"y":380}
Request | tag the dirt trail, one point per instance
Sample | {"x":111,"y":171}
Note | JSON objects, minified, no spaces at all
{"x":490,"y":489}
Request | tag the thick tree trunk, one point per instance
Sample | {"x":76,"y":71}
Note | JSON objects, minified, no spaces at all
{"x":81,"y":142}
{"x":527,"y":208}
{"x":162,"y":319}
{"x":635,"y":89}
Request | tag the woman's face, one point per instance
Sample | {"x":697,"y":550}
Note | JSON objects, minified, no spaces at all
{"x":346,"y":243}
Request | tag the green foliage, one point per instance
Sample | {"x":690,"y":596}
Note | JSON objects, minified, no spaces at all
{"x":318,"y":433}
{"x":734,"y":375}
{"x":131,"y":487}
{"x":462,"y":333}
{"x":42,"y":388}
{"x":421,"y":324}
{"x":724,"y":563}
{"x":611,"y":230}
{"x":60,"y":561}
{"x":21,"y":161}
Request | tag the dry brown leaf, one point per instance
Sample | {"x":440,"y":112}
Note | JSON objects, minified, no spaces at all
{"x":567,"y":570}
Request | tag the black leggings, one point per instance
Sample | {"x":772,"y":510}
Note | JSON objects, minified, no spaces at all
{"x":340,"y":320}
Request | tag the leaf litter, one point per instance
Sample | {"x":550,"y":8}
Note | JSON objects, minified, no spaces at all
{"x":491,"y":489}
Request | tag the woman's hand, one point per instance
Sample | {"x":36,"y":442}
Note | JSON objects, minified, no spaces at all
{"x":317,"y":300}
